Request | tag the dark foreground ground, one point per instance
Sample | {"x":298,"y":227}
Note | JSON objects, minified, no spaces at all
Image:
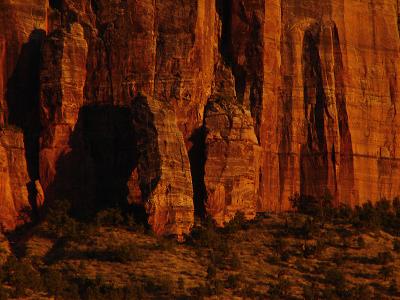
{"x":289,"y":256}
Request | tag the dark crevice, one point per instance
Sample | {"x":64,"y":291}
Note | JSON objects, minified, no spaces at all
{"x":224,"y":10}
{"x":197,"y":157}
{"x":22,"y":98}
{"x":346,"y":149}
{"x":56,"y":4}
{"x":314,"y":94}
{"x":286,"y":97}
{"x":313,"y":160}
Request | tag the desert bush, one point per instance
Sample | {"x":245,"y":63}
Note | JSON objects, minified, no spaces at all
{"x":110,"y":217}
{"x":59,"y":222}
{"x":58,"y":286}
{"x":239,"y":222}
{"x":310,"y":292}
{"x":361,"y":291}
{"x":205,"y":235}
{"x":279,"y":246}
{"x":234,"y":281}
{"x":21,"y":276}
{"x":339,"y":259}
{"x":386,"y":272}
{"x":211,"y":272}
{"x":335,"y":277}
{"x":393,"y":288}
{"x":319,"y":207}
{"x":280,"y":290}
{"x":384,"y":258}
{"x":98,"y":289}
{"x":4,"y":293}
{"x":360,"y":242}
{"x":166,"y":244}
{"x":344,"y":213}
{"x":235,"y":262}
{"x":396,"y":246}
{"x":123,"y":253}
{"x":181,"y":284}
{"x":309,"y":229}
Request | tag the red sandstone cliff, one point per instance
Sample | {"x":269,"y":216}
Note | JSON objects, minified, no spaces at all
{"x":202,"y":106}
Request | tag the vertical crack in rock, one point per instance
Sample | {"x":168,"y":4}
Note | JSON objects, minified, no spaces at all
{"x":197,"y":157}
{"x":313,"y":159}
{"x":346,"y":187}
{"x":224,"y":10}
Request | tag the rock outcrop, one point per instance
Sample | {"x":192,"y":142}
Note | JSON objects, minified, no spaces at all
{"x":197,"y":107}
{"x":23,"y":27}
{"x":14,"y":178}
{"x":232,"y":167}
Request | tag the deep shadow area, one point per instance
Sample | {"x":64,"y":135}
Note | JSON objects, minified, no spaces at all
{"x":224,"y":10}
{"x":55,"y":4}
{"x":94,"y":174}
{"x":197,"y":157}
{"x":109,"y":138}
{"x":22,"y":98}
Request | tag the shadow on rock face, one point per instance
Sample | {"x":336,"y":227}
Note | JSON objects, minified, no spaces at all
{"x":95,"y":171}
{"x":197,"y":157}
{"x":22,"y":98}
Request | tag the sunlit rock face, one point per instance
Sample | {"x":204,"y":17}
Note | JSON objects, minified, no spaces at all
{"x":23,"y":29}
{"x":197,"y":107}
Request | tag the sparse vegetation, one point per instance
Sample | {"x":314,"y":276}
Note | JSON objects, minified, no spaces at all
{"x":337,"y":253}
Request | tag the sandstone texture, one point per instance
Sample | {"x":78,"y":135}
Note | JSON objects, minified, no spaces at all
{"x":197,"y":107}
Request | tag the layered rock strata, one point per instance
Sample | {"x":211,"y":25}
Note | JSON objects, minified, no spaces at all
{"x":197,"y":107}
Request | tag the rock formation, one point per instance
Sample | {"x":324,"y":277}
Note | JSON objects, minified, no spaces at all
{"x":233,"y":155}
{"x":197,"y":107}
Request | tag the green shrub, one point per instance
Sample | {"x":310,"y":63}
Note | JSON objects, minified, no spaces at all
{"x":60,"y":223}
{"x":211,"y":272}
{"x":235,"y":262}
{"x":21,"y":276}
{"x":181,"y":284}
{"x":280,"y":290}
{"x":320,"y":207}
{"x":336,"y":278}
{"x":396,"y":246}
{"x":279,"y":246}
{"x":166,"y":244}
{"x":234,"y":281}
{"x":205,"y":235}
{"x":386,"y":271}
{"x":360,"y":242}
{"x":383,"y":258}
{"x":123,"y":253}
{"x":110,"y":217}
{"x":4,"y":293}
{"x":393,"y":288}
{"x":237,"y":223}
{"x":310,"y":292}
